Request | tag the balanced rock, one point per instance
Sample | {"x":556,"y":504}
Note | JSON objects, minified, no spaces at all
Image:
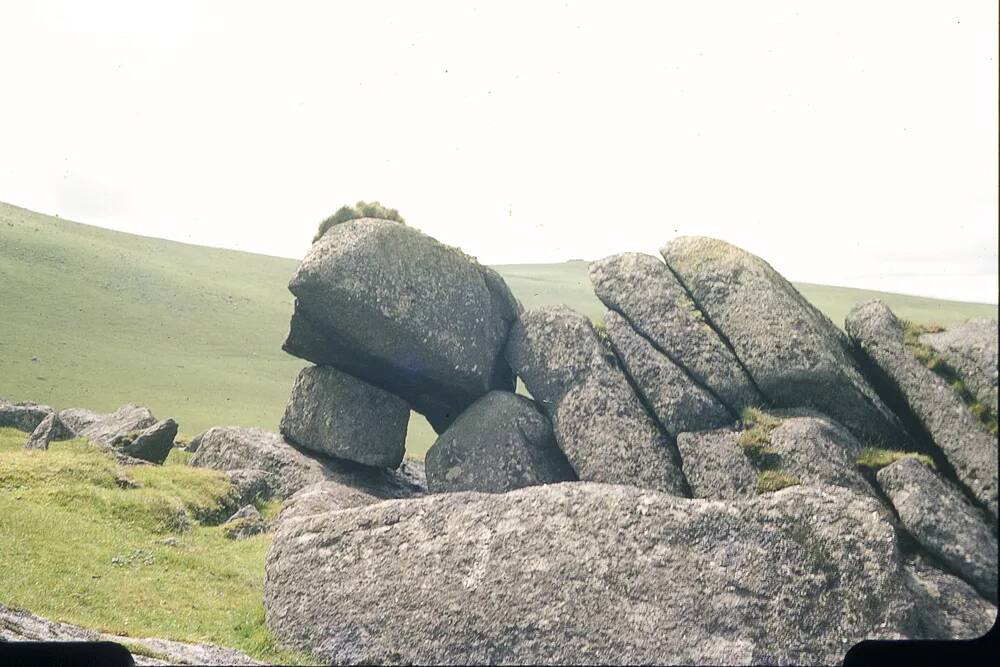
{"x":943,"y":522}
{"x":794,"y":353}
{"x":246,"y":522}
{"x":129,"y":418}
{"x":400,"y":310}
{"x":677,"y":401}
{"x":584,"y":573}
{"x":940,"y":412}
{"x":151,"y":444}
{"x":288,"y":468}
{"x":642,"y":289}
{"x":599,"y":423}
{"x":715,"y":465}
{"x":333,"y":413}
{"x":971,"y":349}
{"x":24,"y":416}
{"x":51,"y":428}
{"x":945,"y":607}
{"x":501,"y":442}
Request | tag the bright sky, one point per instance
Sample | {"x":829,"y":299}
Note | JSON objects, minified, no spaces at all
{"x":850,"y":143}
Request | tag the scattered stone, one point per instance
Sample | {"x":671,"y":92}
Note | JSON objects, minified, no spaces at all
{"x":50,"y":429}
{"x":152,"y":444}
{"x":588,"y":573}
{"x":642,"y":289}
{"x":501,"y":442}
{"x":971,"y":349}
{"x":79,"y":419}
{"x":25,"y":416}
{"x":794,"y":353}
{"x":945,"y":607}
{"x":127,"y":419}
{"x":943,"y":522}
{"x":247,"y":522}
{"x":679,"y":404}
{"x":333,"y":413}
{"x":288,"y":468}
{"x":965,"y":442}
{"x":400,"y":310}
{"x":599,"y":422}
{"x":715,"y":466}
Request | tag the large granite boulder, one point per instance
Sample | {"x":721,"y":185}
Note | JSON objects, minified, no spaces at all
{"x":328,"y":496}
{"x":794,"y":353}
{"x":643,"y":290}
{"x":51,"y":428}
{"x":151,"y":444}
{"x":937,"y":409}
{"x":288,"y":468}
{"x":945,"y":607}
{"x":943,"y":522}
{"x":583,"y":573}
{"x":678,"y":402}
{"x":501,"y":442}
{"x":400,"y":310}
{"x":716,"y":466}
{"x":25,"y":416}
{"x":971,"y":349}
{"x":599,"y":422}
{"x":129,"y":418}
{"x":336,"y":414}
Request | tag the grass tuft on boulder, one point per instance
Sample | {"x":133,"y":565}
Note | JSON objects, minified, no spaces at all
{"x":359,"y":210}
{"x":769,"y":481}
{"x":876,"y":458}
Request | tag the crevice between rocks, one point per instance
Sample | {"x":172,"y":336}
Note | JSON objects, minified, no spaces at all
{"x":718,"y":332}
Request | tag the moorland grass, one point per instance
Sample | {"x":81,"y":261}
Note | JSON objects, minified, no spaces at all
{"x":87,"y":541}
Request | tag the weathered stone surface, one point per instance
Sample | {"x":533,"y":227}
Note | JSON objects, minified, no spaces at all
{"x":599,"y":422}
{"x":23,"y":416}
{"x":794,"y":353}
{"x":945,"y":607}
{"x":152,"y":444}
{"x":943,"y":522}
{"x":400,"y":310}
{"x":642,"y":289}
{"x":51,"y":428}
{"x":127,"y":419}
{"x":502,"y":442}
{"x":966,"y":443}
{"x":249,"y":484}
{"x":289,"y":469}
{"x":584,"y":573}
{"x":79,"y":419}
{"x":971,"y":349}
{"x":679,"y":403}
{"x":18,"y":625}
{"x":328,"y":496}
{"x":715,"y":466}
{"x":333,"y":413}
{"x":246,"y":522}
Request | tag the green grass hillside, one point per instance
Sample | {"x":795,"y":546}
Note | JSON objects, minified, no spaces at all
{"x":95,"y":318}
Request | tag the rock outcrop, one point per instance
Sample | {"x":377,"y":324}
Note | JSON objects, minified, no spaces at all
{"x":939,"y":411}
{"x":399,"y":310}
{"x":24,"y":416}
{"x":79,"y":419}
{"x":288,"y":469}
{"x":151,"y":444}
{"x":51,"y":428}
{"x":716,"y":466}
{"x":971,"y":349}
{"x":678,"y":403}
{"x":129,"y":418}
{"x":794,"y":354}
{"x":945,"y":607}
{"x":333,"y":413}
{"x":501,"y":442}
{"x":600,"y":424}
{"x":583,"y":573}
{"x":328,"y":496}
{"x":642,"y":289}
{"x":943,"y":522}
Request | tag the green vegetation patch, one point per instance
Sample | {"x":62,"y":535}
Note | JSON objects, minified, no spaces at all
{"x":119,"y":549}
{"x":359,"y":210}
{"x":876,"y":458}
{"x":756,"y":438}
{"x":775,"y":480}
{"x":930,"y":358}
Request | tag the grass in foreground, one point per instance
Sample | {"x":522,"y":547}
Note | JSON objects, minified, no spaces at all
{"x":113,"y":548}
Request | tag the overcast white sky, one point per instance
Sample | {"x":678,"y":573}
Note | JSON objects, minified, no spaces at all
{"x":850,"y":143}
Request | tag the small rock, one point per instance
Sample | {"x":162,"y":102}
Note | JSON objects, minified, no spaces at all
{"x":247,"y":522}
{"x":152,"y":444}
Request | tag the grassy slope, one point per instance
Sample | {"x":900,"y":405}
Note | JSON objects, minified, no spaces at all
{"x":77,"y":547}
{"x":195,"y":333}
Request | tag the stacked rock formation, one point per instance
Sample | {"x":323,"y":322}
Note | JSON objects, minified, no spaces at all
{"x":691,"y":482}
